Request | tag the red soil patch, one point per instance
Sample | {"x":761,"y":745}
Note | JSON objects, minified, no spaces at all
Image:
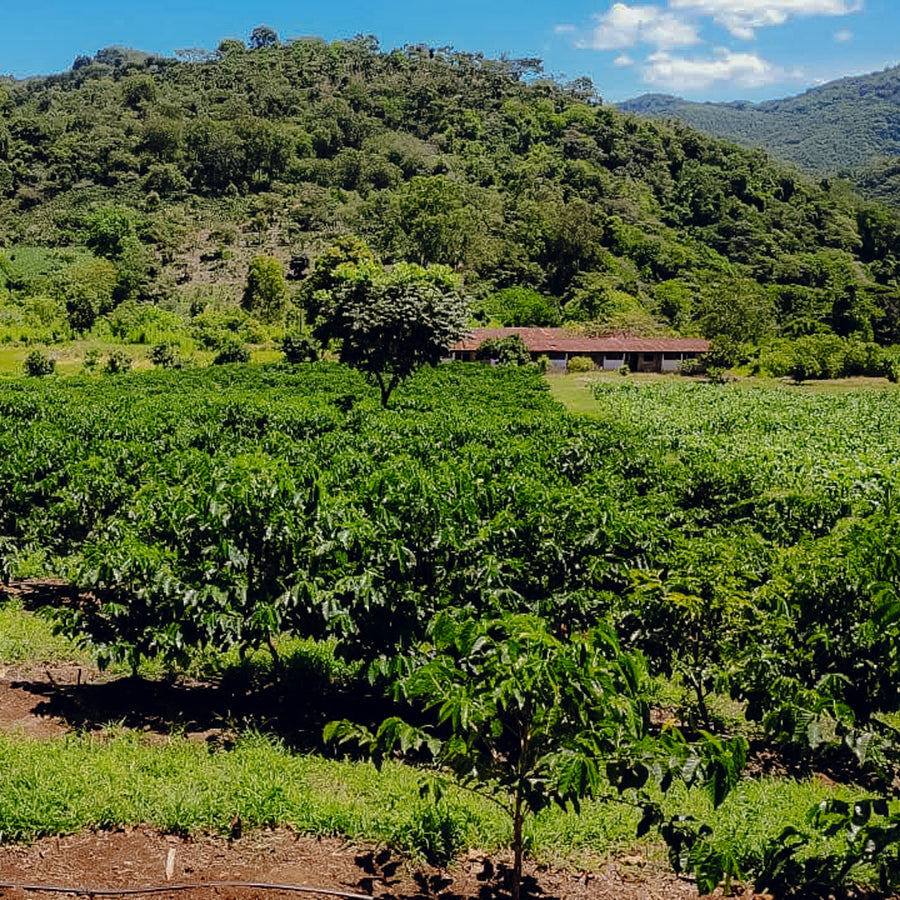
{"x":19,"y":713}
{"x":141,"y":857}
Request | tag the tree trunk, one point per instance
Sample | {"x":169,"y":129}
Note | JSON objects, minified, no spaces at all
{"x":277,"y":666}
{"x":387,"y":387}
{"x":517,"y":850}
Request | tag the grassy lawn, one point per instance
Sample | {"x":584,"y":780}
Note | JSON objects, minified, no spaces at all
{"x":574,"y":391}
{"x":11,"y":360}
{"x":25,"y":637}
{"x":70,"y":356}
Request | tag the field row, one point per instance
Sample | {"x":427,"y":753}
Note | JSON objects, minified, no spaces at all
{"x":729,"y":554}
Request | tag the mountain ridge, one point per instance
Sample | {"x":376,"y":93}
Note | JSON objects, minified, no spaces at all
{"x":848,"y":127}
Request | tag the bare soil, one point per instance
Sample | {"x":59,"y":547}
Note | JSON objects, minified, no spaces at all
{"x":183,"y":868}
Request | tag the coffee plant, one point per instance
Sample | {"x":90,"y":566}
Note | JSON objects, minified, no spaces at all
{"x":743,"y":541}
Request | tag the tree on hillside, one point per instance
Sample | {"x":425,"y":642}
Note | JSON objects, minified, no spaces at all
{"x":436,"y":219}
{"x":263,"y":36}
{"x":111,"y":233}
{"x":87,"y":288}
{"x":265,"y":294}
{"x":348,"y":248}
{"x":389,"y":323}
{"x":521,"y":307}
{"x":734,"y":307}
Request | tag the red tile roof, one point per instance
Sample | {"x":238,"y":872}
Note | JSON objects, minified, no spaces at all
{"x":559,"y":340}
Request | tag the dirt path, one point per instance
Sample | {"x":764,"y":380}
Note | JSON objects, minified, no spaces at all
{"x":141,"y":857}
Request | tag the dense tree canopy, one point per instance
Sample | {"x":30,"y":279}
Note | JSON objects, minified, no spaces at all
{"x":387,"y":324}
{"x":181,"y":171}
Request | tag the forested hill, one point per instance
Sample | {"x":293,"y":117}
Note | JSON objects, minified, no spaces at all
{"x":154,"y":181}
{"x":849,"y":126}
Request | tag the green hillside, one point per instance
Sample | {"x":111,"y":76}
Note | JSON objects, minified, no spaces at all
{"x":135,"y":190}
{"x":850,"y":126}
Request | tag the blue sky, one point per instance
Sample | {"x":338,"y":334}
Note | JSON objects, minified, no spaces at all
{"x":701,"y":49}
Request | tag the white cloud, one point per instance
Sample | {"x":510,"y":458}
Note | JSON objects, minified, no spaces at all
{"x":563,"y":28}
{"x":623,"y":60}
{"x":744,"y":70}
{"x":624,"y":26}
{"x":844,"y":35}
{"x":742,"y":17}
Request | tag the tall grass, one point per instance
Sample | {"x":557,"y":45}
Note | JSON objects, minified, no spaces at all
{"x":114,"y":779}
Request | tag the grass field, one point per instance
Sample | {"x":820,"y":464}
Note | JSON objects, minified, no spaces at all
{"x":118,"y":778}
{"x":70,"y":357}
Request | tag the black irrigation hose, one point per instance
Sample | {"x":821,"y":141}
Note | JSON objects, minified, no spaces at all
{"x":161,"y":889}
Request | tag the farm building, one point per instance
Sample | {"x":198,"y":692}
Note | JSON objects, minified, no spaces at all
{"x":611,"y":352}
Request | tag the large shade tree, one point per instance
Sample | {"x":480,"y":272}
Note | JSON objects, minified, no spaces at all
{"x":390,"y":322}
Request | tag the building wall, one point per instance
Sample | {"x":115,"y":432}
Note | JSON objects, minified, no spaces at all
{"x":654,"y":361}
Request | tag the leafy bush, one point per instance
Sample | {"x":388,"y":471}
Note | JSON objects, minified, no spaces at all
{"x":872,"y":831}
{"x":37,"y":364}
{"x":165,"y":355}
{"x":117,"y":362}
{"x":135,"y":323}
{"x":231,"y":350}
{"x":299,"y":347}
{"x":529,"y":716}
{"x":531,"y":720}
{"x":580,"y":364}
{"x":816,"y":356}
{"x":508,"y":351}
{"x":91,"y":359}
{"x":211,"y":326}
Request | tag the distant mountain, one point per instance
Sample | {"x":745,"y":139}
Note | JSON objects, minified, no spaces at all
{"x":850,"y":126}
